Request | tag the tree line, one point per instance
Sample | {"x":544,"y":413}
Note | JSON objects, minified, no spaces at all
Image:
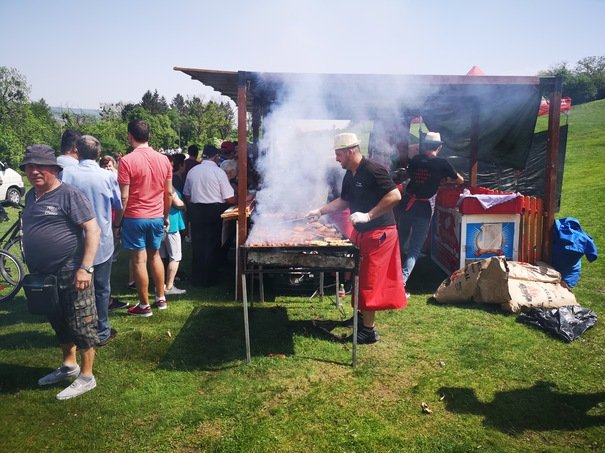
{"x":177,"y":124}
{"x":583,"y":83}
{"x":183,"y":121}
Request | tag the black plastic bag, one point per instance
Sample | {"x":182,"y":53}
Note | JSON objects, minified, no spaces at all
{"x":567,"y":323}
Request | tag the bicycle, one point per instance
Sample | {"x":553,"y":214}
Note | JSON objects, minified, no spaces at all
{"x":11,"y":276}
{"x":11,"y":239}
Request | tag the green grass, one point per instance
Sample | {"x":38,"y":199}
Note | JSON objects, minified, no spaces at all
{"x":177,"y":381}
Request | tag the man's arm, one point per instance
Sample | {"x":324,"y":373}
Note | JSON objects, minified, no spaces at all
{"x":124,"y":194}
{"x":167,"y":201}
{"x":338,"y":204}
{"x":92,"y":236}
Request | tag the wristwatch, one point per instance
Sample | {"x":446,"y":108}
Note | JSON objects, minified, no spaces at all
{"x":89,"y":269}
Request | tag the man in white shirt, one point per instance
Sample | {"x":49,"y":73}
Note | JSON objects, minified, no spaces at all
{"x":208,"y":193}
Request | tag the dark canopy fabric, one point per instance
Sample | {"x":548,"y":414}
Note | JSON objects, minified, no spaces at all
{"x":528,"y":181}
{"x":506,"y":119}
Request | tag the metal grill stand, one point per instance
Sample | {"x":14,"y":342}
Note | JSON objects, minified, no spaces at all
{"x":256,"y":260}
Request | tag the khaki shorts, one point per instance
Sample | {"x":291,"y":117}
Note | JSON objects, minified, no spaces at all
{"x":171,"y":247}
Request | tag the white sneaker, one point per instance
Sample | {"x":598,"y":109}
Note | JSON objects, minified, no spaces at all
{"x":60,"y":374}
{"x":174,"y":291}
{"x":76,"y":388}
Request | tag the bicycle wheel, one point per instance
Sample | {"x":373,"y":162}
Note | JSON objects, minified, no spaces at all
{"x":11,"y":276}
{"x":15,"y":248}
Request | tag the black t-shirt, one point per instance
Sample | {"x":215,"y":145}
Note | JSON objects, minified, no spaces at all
{"x":426,"y":173}
{"x":51,"y":228}
{"x":364,"y":190}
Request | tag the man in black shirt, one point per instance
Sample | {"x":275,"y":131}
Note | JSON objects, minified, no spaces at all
{"x":370,"y":194}
{"x":426,"y":172}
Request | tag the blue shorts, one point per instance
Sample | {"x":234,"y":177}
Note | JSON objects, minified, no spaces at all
{"x":140,"y":234}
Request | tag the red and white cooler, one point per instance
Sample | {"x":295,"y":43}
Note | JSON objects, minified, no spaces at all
{"x":471,"y":224}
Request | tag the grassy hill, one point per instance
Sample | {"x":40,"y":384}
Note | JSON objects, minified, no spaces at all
{"x":177,"y":382}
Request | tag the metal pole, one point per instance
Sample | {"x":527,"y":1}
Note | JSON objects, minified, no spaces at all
{"x":246,"y":325}
{"x":355,"y":327}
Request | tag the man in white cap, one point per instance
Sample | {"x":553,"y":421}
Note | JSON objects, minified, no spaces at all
{"x":369,"y":192}
{"x":426,"y":172}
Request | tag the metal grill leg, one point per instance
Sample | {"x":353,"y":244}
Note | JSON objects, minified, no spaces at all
{"x":246,"y":325}
{"x":355,"y":326}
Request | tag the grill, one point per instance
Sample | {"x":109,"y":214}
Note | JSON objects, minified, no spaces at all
{"x":299,"y":258}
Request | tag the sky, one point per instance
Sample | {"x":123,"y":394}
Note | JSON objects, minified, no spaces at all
{"x":79,"y":54}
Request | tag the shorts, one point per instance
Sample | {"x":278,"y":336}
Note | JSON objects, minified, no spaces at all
{"x":140,"y":234}
{"x":77,"y":320}
{"x":171,"y":247}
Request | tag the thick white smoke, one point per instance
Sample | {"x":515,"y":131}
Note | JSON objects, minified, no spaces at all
{"x":294,"y":162}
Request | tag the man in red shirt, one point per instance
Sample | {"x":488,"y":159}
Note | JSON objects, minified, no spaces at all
{"x":145,"y":178}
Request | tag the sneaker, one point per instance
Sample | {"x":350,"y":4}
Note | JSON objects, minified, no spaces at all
{"x":365,"y":335}
{"x":112,"y":334}
{"x":132,"y":286}
{"x":117,"y":304}
{"x":174,"y":291}
{"x":76,"y":388}
{"x":349,"y":322}
{"x":407,"y":295}
{"x":138,"y":311}
{"x":60,"y":374}
{"x":160,"y":304}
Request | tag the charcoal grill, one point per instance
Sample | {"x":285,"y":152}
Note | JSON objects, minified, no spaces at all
{"x":303,"y":258}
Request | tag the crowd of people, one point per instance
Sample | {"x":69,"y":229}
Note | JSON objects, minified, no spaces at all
{"x":83,"y":204}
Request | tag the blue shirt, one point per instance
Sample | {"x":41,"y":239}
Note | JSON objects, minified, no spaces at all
{"x":102,"y":190}
{"x":176,"y":217}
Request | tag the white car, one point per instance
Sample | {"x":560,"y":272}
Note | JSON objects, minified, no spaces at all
{"x":11,"y":184}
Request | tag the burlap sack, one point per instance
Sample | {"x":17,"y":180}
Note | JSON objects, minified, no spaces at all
{"x":460,"y":287}
{"x":510,"y":284}
{"x":526,"y":294}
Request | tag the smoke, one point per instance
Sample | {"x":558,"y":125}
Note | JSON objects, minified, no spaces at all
{"x":296,"y":163}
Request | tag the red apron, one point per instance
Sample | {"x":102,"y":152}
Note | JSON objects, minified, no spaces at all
{"x":380,"y":280}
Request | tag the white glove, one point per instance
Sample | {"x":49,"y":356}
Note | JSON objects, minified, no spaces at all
{"x":313,"y":215}
{"x":360,"y":217}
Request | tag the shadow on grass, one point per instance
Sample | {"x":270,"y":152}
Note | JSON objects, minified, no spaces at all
{"x":16,"y":378}
{"x":537,"y":408}
{"x":22,"y":340}
{"x":490,"y":308}
{"x":213,"y":337}
{"x":15,"y":311}
{"x":426,"y":277}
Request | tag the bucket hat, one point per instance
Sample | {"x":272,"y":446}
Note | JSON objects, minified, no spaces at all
{"x":39,"y":155}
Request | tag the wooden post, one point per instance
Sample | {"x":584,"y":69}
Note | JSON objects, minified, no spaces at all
{"x":242,"y":175}
{"x":473,"y":170}
{"x":552,"y":164}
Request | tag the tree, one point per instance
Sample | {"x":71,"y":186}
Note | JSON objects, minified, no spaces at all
{"x":154,"y":103}
{"x":594,"y":69}
{"x":585,"y":83}
{"x":22,"y":122}
{"x":178,"y":104}
{"x":14,"y":92}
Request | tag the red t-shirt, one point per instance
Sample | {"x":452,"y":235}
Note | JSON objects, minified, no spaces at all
{"x":146,"y":172}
